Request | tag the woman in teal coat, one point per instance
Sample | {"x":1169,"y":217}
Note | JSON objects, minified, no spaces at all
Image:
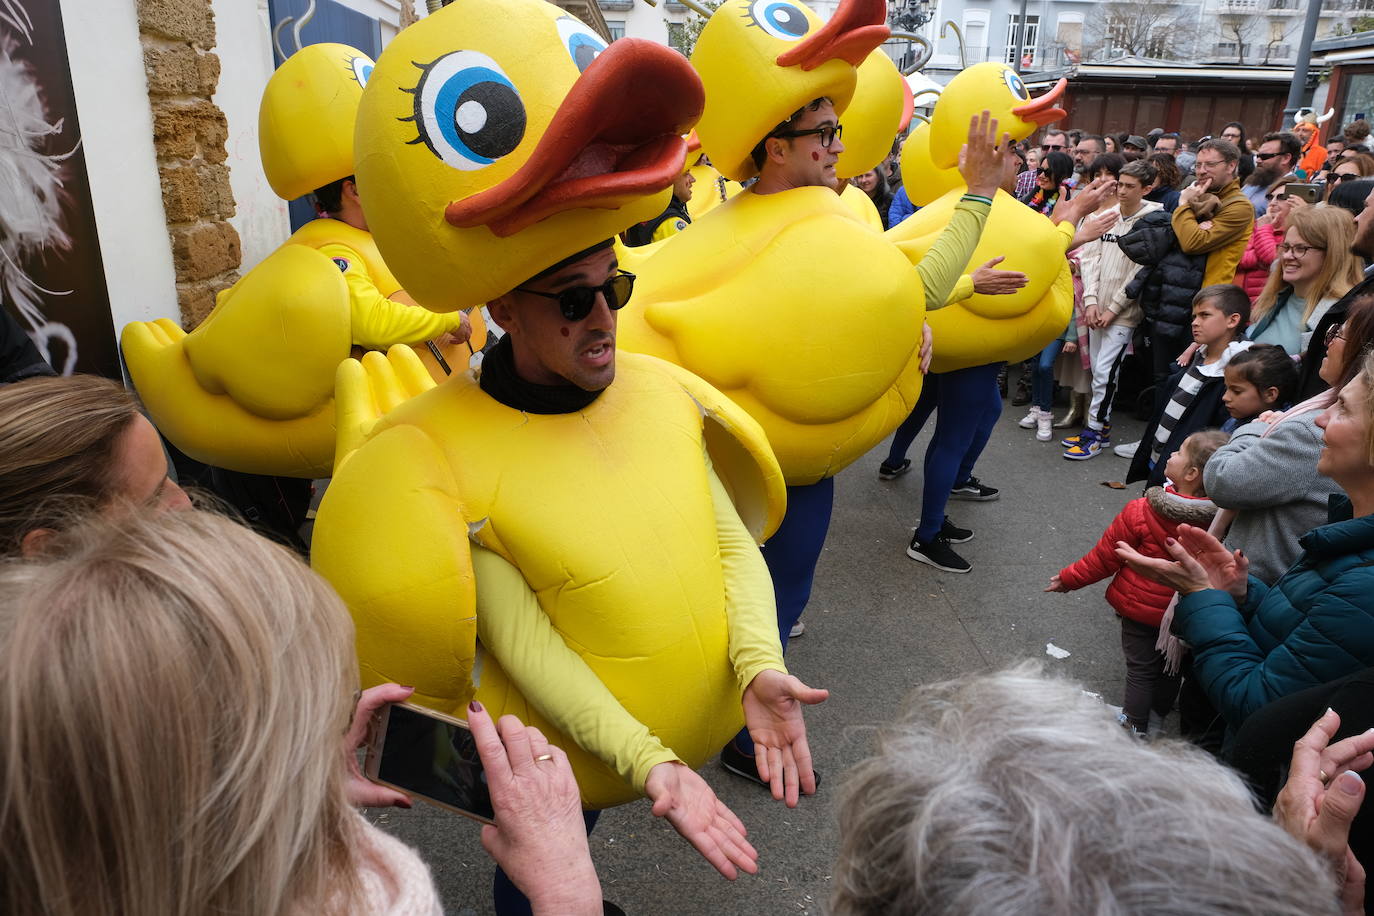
{"x":1253,"y":644}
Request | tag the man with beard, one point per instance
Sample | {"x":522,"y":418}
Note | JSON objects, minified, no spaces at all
{"x":1362,"y":245}
{"x":1277,"y":156}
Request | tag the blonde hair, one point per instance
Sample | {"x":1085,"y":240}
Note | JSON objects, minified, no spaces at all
{"x":1331,"y":229}
{"x":58,"y":438}
{"x":176,"y":691}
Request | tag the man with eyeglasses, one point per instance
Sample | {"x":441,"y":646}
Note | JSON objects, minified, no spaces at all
{"x":1054,"y":141}
{"x":1224,"y":242}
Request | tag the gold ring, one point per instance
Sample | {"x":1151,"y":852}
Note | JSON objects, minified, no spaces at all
{"x":543,"y":757}
{"x":1321,"y":774}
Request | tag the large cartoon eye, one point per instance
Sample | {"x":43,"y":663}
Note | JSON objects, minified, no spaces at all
{"x":582,"y":43}
{"x":780,"y":19}
{"x":1014,"y":83}
{"x":468,"y":112}
{"x":362,"y":69}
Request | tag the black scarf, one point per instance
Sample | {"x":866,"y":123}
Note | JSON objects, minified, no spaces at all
{"x":500,"y":380}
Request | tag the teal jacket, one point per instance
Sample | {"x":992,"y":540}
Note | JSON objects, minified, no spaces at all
{"x":1315,"y":624}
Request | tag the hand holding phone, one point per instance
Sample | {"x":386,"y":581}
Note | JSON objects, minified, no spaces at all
{"x":362,"y":792}
{"x":428,"y":755}
{"x":1310,"y":192}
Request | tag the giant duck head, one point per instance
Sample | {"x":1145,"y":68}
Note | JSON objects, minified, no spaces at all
{"x":761,"y":60}
{"x":880,"y":110}
{"x":307,"y":116}
{"x":497,"y":137}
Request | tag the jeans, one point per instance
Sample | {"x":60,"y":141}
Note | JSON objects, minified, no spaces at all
{"x":1042,"y":380}
{"x":791,"y":554}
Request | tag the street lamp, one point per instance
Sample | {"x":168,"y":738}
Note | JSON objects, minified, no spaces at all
{"x":909,"y":15}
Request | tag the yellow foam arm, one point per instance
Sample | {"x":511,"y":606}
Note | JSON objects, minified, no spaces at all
{"x":391,"y":539}
{"x":742,"y":458}
{"x":214,"y":428}
{"x":367,"y":389}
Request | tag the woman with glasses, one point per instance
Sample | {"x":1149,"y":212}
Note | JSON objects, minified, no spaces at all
{"x":1354,"y":168}
{"x":1055,"y":168}
{"x":1315,"y":269}
{"x":1262,"y":248}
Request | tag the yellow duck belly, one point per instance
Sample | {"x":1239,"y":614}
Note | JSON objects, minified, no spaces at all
{"x":983,"y":329}
{"x":640,"y":602}
{"x":251,"y":388}
{"x":797,"y":310}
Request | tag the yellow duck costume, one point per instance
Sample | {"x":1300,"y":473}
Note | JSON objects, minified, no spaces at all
{"x":793,"y":304}
{"x":251,"y":388}
{"x":977,"y":329}
{"x":594,"y":571}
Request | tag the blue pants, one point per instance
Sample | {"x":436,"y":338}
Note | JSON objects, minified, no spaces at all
{"x":969,"y":405}
{"x":791,"y":554}
{"x":507,"y":898}
{"x":1042,"y":379}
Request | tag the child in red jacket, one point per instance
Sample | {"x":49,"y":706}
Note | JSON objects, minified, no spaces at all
{"x":1145,"y":524}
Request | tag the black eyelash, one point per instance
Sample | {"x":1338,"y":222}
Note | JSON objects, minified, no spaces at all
{"x":415,"y":115}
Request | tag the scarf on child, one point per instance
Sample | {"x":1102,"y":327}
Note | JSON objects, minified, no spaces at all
{"x":1170,"y":645}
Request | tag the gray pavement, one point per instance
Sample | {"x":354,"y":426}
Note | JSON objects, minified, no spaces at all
{"x":878,"y":625}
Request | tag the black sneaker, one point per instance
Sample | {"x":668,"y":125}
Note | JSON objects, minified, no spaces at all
{"x":939,"y":554}
{"x":954,"y":534}
{"x":974,"y":489}
{"x":891,"y":472}
{"x":733,"y":760}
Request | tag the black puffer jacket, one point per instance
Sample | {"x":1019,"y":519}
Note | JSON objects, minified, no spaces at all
{"x":1168,"y":281}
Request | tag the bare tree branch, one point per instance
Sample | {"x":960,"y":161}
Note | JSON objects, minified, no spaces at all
{"x":1152,"y":28}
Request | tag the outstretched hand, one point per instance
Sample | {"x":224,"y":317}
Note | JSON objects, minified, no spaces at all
{"x":683,"y":797}
{"x":989,"y":281}
{"x":1322,"y":796}
{"x":981,"y":159}
{"x":773,"y":714}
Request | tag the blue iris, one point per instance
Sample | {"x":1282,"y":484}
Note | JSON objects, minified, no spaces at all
{"x":786,"y":18}
{"x":473,"y":81}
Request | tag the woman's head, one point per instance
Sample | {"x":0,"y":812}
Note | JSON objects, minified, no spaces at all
{"x":1032,"y":157}
{"x":1348,"y":342}
{"x":1314,"y":259}
{"x":976,"y":801}
{"x":182,"y":685}
{"x":1264,"y":377}
{"x":1167,"y":167}
{"x":1349,"y":170}
{"x":1279,"y":204}
{"x":1107,"y":165}
{"x":72,"y":445}
{"x":870,"y":182}
{"x":1347,"y":454}
{"x":1054,"y":169}
{"x":1351,"y":195}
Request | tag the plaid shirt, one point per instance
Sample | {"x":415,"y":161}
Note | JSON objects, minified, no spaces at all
{"x":1025,"y":183}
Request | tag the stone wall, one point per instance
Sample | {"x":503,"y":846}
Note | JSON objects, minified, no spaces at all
{"x":189,"y":133}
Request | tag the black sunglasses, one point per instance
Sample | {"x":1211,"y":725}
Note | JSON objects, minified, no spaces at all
{"x":1265,"y":157}
{"x":828,"y":134}
{"x":1051,"y":147}
{"x":576,"y":302}
{"x":1344,"y":177}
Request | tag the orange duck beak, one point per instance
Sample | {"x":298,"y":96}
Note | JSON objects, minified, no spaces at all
{"x":604,"y":147}
{"x":857,"y":27}
{"x":1043,"y":111}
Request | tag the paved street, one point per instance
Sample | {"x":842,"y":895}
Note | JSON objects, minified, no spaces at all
{"x":878,"y":625}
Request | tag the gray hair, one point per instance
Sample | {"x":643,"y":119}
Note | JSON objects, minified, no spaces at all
{"x":1014,"y":793}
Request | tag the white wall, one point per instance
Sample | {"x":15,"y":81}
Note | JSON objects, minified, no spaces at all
{"x":117,"y":134}
{"x":244,"y":44}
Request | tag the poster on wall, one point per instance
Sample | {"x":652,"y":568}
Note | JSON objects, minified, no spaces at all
{"x":52,"y":279}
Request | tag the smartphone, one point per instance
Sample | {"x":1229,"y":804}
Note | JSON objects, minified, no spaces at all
{"x":430,"y":756}
{"x":1308,"y":191}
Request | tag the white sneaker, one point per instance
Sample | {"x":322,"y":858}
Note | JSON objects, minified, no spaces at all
{"x":1126,"y":449}
{"x":1030,"y":419}
{"x":1043,"y":430}
{"x":798,"y":629}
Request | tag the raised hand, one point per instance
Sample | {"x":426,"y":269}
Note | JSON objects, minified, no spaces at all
{"x":1226,"y":570}
{"x":683,"y":797}
{"x":773,"y":714}
{"x":980,"y":160}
